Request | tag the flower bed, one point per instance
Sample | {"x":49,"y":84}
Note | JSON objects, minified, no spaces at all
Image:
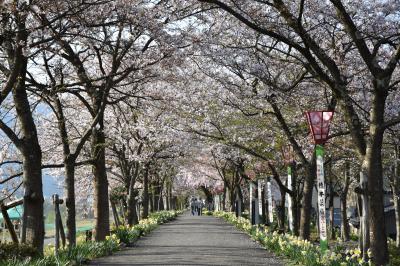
{"x":299,"y":251}
{"x":85,"y":251}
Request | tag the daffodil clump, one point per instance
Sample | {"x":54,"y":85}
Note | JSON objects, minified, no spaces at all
{"x":78,"y":255}
{"x":129,"y":234}
{"x":299,"y":251}
{"x":126,"y":234}
{"x":84,"y":251}
{"x":207,"y":212}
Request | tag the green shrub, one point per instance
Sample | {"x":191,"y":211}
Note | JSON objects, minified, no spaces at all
{"x":77,"y":255}
{"x":207,"y":212}
{"x":9,"y":251}
{"x":354,"y":237}
{"x":394,"y":253}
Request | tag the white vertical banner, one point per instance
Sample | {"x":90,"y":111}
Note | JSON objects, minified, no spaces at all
{"x":269,"y":197}
{"x":259,"y":188}
{"x":289,"y":199}
{"x":216,"y":202}
{"x":321,"y":197}
{"x":256,"y":215}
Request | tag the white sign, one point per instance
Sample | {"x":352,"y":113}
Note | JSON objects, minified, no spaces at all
{"x":216,"y":202}
{"x":321,"y":198}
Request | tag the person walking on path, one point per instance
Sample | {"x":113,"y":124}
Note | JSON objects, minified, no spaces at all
{"x":193,"y":205}
{"x":199,"y":207}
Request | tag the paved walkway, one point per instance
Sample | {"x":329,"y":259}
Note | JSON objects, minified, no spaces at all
{"x":193,"y":240}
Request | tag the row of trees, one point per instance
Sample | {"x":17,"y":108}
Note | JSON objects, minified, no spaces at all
{"x":77,"y":97}
{"x":195,"y":93}
{"x":276,"y":59}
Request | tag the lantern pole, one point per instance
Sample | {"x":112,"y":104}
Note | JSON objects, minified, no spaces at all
{"x":319,"y":151}
{"x":319,"y":126}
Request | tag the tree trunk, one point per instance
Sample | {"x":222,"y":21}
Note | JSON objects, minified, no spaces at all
{"x":69,"y":168}
{"x":167,"y":196}
{"x":33,"y":227}
{"x":171,"y":198}
{"x":132,"y":214}
{"x":345,"y":228}
{"x":372,"y":167}
{"x":396,"y":193}
{"x":295,"y":201}
{"x":123,"y":209}
{"x":115,"y":214}
{"x":332,"y":215}
{"x":232,"y":199}
{"x":364,"y":221}
{"x":160,"y":206}
{"x":305,"y":218}
{"x":33,"y":197}
{"x":161,"y":203}
{"x":101,"y":206}
{"x":70,"y":200}
{"x":151,"y":198}
{"x":224,"y":198}
{"x":209,"y":196}
{"x":331,"y":202}
{"x":265,"y":202}
{"x":132,"y":194}
{"x":146,"y":193}
{"x":157,"y":201}
{"x":281,"y":212}
{"x":359,"y":210}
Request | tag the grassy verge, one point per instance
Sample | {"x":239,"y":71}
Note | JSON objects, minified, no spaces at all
{"x":84,"y":251}
{"x":298,"y":251}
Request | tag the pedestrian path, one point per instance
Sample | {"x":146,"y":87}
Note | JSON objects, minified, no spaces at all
{"x":193,"y":240}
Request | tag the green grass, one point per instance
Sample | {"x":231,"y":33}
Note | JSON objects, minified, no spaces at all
{"x":81,"y":225}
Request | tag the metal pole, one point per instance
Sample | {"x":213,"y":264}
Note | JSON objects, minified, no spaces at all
{"x":319,"y":150}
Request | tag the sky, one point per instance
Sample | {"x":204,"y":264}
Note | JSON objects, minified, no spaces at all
{"x":51,"y":186}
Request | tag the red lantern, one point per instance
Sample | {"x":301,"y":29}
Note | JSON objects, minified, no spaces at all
{"x":218,"y":190}
{"x":288,"y":154}
{"x":319,"y":122}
